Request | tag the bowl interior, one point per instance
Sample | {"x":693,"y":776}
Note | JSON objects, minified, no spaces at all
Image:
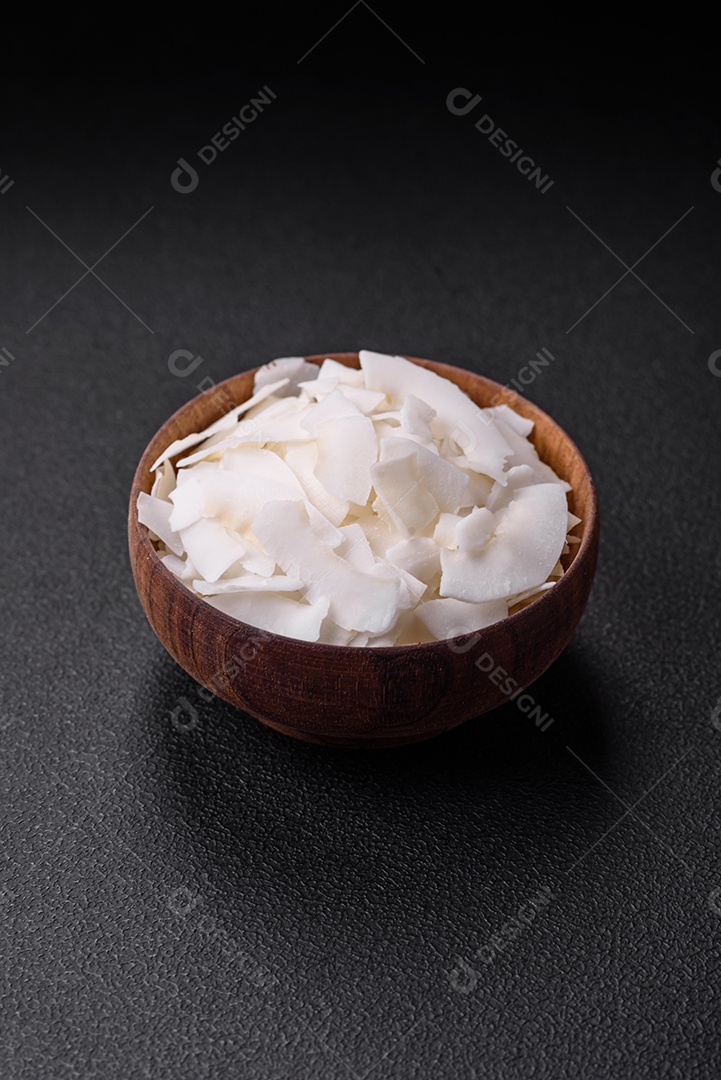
{"x":552,"y":443}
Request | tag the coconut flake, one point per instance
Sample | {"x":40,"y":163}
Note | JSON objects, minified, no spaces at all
{"x":366,"y":401}
{"x":444,"y":533}
{"x":402,"y":495}
{"x":473,"y":531}
{"x":155,"y":514}
{"x":332,"y":407}
{"x":333,"y":369}
{"x":253,"y":561}
{"x":280,"y":426}
{"x":247,"y":582}
{"x":521,"y":554}
{"x":416,"y":416}
{"x":290,"y":369}
{"x":355,"y":548}
{"x":226,"y":421}
{"x":318,"y":388}
{"x":302,"y":458}
{"x":347,"y":450}
{"x":419,"y":556}
{"x":164,"y":481}
{"x":235,"y":499}
{"x":514,"y":420}
{"x":456,"y":415}
{"x":449,"y":617}
{"x":260,"y":463}
{"x":274,"y":613}
{"x":211,"y":548}
{"x":446,"y":483}
{"x":357,"y":600}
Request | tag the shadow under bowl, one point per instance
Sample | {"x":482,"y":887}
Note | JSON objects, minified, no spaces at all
{"x":366,"y":697}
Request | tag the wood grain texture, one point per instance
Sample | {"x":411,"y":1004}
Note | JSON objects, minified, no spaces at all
{"x":365,"y":697}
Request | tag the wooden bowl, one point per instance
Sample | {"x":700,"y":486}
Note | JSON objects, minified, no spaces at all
{"x":366,"y":697}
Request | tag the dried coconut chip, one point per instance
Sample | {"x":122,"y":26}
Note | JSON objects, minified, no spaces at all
{"x":347,"y":450}
{"x":450,"y":618}
{"x":155,"y":514}
{"x":226,"y":421}
{"x":248,"y":582}
{"x":274,"y":613}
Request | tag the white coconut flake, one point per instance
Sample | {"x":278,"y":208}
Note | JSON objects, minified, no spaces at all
{"x":517,"y":476}
{"x":355,"y":548}
{"x":252,"y":582}
{"x":174,"y":563}
{"x":403,"y":495}
{"x":333,"y":369}
{"x":416,"y":416}
{"x":456,"y":415}
{"x":269,"y":427}
{"x":332,"y":634}
{"x":521,"y":554}
{"x":155,"y":515}
{"x":450,"y":618}
{"x":332,"y":407}
{"x":292,"y":370}
{"x":302,"y":458}
{"x":357,"y":601}
{"x":252,"y":460}
{"x":444,"y":533}
{"x":211,"y":548}
{"x":514,"y":420}
{"x":317,"y":389}
{"x":528,"y":593}
{"x":274,"y":613}
{"x":446,"y":483}
{"x":366,"y":401}
{"x":235,"y":499}
{"x":419,"y":556}
{"x":410,"y":588}
{"x":347,"y":450}
{"x":225,"y":422}
{"x":164,"y":481}
{"x":361,"y":508}
{"x":253,"y":561}
{"x":473,"y":531}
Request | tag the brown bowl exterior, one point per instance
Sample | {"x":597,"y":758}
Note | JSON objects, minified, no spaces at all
{"x":366,"y":697}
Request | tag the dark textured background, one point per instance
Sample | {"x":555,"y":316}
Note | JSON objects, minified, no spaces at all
{"x":224,"y":902}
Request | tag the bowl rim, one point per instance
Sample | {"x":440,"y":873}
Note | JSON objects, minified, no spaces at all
{"x":457,"y":643}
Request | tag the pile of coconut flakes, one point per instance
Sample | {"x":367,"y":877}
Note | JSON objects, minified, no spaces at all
{"x":378,"y":506}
